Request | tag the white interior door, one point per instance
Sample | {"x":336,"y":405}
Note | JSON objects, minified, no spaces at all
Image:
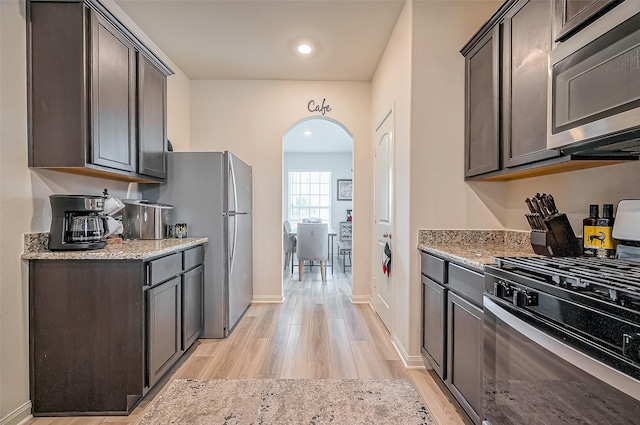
{"x":383,"y":208}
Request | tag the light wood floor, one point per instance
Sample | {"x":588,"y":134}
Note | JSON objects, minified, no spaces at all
{"x":316,"y":333}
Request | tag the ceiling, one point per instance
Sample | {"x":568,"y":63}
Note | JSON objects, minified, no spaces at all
{"x":257,"y":39}
{"x":323,"y":136}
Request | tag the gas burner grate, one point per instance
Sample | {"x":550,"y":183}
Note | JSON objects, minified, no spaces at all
{"x":610,"y":278}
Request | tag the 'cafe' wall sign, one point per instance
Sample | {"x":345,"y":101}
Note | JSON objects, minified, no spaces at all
{"x":312,"y":106}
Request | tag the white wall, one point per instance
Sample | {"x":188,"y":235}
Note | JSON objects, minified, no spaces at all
{"x":250,"y":118}
{"x":340,"y":165}
{"x":24,"y":203}
{"x":440,"y":198}
{"x":422,"y":73}
{"x":391,"y":88}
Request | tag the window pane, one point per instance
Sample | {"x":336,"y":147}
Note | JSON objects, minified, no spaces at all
{"x":309,"y":195}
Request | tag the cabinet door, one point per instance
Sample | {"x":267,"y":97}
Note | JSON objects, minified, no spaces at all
{"x":527,"y":40}
{"x":482,"y":133}
{"x":434,"y":324}
{"x":152,"y":111}
{"x":464,"y":363}
{"x":192,"y":306}
{"x":163,"y":328}
{"x":113,"y":82}
{"x":574,"y":15}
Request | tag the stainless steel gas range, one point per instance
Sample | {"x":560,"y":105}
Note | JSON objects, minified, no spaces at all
{"x":562,"y":337}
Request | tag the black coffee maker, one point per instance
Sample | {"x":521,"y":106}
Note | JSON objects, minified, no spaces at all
{"x":76,"y":223}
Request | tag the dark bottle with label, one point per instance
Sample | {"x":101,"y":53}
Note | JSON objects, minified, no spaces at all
{"x":604,"y":227}
{"x":589,"y":235}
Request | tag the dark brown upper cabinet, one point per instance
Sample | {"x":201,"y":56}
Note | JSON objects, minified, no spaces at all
{"x":507,"y":71}
{"x":152,"y":133}
{"x":482,"y":130}
{"x":527,"y":40}
{"x":113,"y":97}
{"x":97,"y":95}
{"x":573,"y":15}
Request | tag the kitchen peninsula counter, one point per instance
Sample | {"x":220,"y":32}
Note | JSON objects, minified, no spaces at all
{"x":475,"y":248}
{"x":35,"y":248}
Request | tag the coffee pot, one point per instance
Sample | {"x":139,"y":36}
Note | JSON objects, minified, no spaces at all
{"x":77,"y":223}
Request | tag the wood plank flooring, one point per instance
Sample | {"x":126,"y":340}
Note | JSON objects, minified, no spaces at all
{"x":315,"y":334}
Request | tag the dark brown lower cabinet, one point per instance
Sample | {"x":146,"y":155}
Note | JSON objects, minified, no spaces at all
{"x":86,"y":326}
{"x":102,"y":333}
{"x":464,"y":366}
{"x":452,"y":329}
{"x":193,"y":301}
{"x":434,"y":324}
{"x":164,"y":345}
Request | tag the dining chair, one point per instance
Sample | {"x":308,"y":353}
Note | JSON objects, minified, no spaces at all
{"x":312,"y":246}
{"x":289,"y":243}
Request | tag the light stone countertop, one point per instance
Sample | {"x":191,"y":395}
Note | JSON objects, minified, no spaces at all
{"x":35,"y":249}
{"x":475,"y":248}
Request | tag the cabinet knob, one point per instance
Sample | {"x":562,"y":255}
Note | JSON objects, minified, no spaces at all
{"x":386,"y":235}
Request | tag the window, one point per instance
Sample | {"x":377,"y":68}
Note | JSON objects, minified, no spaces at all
{"x":309,"y":196}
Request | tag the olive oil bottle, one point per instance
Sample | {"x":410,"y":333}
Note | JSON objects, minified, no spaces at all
{"x":589,"y":234}
{"x":604,"y":227}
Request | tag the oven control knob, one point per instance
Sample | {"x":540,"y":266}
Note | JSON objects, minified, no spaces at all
{"x":529,"y":298}
{"x":524,"y":298}
{"x":502,"y":289}
{"x":631,"y":346}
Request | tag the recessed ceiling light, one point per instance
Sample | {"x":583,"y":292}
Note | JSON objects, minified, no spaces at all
{"x":307,"y":133}
{"x":304,"y":49}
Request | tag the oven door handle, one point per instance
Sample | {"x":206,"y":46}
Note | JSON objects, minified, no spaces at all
{"x":613,"y":377}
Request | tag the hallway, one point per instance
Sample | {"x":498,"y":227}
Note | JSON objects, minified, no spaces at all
{"x":316,"y":333}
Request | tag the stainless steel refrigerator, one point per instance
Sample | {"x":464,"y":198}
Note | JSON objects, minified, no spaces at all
{"x":211,"y":193}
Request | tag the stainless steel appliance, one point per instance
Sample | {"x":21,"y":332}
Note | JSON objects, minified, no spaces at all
{"x":76,"y":223}
{"x":211,"y":192}
{"x":146,"y":220}
{"x":562,"y":336}
{"x":594,"y":87}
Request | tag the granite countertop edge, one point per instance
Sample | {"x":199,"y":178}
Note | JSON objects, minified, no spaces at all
{"x":127,"y":250}
{"x":448,"y":255}
{"x":475,"y":248}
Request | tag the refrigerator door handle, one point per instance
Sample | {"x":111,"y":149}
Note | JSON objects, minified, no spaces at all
{"x":232,"y":175}
{"x":234,"y":242}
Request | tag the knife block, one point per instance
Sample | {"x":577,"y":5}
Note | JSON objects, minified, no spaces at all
{"x":558,"y":240}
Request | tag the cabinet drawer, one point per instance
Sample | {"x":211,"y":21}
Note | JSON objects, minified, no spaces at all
{"x":433,"y":267}
{"x":192,"y":257}
{"x":164,"y":268}
{"x":467,"y":283}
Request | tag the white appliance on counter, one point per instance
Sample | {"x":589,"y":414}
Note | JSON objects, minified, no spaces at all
{"x":211,"y":193}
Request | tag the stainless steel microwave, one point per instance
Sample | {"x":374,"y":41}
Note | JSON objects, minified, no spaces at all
{"x":594,"y":87}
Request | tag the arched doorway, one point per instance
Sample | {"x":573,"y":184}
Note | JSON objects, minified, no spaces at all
{"x":317,"y":184}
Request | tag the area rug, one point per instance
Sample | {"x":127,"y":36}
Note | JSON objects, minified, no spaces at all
{"x":288,"y":401}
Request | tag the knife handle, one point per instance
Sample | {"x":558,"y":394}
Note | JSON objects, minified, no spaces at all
{"x":529,"y":205}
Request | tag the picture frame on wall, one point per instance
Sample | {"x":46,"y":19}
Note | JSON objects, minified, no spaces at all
{"x":345,"y":190}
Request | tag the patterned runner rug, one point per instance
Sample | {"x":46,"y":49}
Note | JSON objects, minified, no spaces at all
{"x":288,"y":401}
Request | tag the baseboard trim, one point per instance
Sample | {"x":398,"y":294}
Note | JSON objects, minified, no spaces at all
{"x":19,"y":416}
{"x":409,"y":362}
{"x":361,"y":299}
{"x":271,"y":299}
